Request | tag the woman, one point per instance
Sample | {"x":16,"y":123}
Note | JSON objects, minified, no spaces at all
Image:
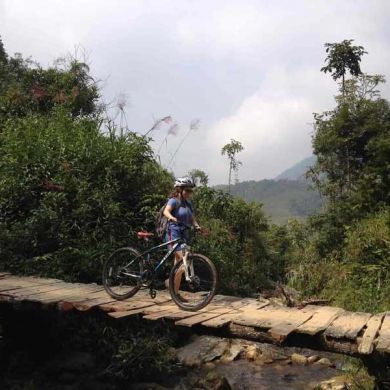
{"x":180,"y":213}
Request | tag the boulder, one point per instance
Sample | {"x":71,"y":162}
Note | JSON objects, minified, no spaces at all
{"x":296,"y":358}
{"x":233,"y":351}
{"x":336,"y":383}
{"x":214,"y":381}
{"x":312,"y":359}
{"x":202,"y":350}
{"x":323,"y":362}
{"x":252,"y":352}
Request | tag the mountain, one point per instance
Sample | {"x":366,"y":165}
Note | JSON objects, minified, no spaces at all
{"x":297,"y":171}
{"x":281,"y":199}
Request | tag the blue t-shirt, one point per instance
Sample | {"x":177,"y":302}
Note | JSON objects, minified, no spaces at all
{"x":182,"y":210}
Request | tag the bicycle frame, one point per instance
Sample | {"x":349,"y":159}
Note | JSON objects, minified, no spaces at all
{"x":176,"y":243}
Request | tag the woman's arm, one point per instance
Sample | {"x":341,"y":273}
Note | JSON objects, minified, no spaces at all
{"x":194,"y":223}
{"x":168,"y":213}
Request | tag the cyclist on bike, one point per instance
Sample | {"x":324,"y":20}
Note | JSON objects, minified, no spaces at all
{"x":179,"y":212}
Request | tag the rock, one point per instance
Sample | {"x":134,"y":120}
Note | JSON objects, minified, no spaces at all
{"x":312,"y":359}
{"x":271,"y":352}
{"x":202,"y":350}
{"x":336,"y":383}
{"x":323,"y":362}
{"x":298,"y":359}
{"x":209,"y":366}
{"x":233,"y":351}
{"x":218,"y":350}
{"x":252,"y":352}
{"x":213,"y":381}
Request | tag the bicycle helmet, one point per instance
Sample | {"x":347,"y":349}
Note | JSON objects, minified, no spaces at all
{"x":184,"y":182}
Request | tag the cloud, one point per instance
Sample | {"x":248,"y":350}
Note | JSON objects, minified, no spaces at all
{"x":249,"y":69}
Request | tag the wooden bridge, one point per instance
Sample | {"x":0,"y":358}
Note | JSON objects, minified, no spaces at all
{"x":321,"y":327}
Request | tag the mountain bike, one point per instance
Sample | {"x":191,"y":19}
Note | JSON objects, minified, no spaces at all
{"x":127,"y":270}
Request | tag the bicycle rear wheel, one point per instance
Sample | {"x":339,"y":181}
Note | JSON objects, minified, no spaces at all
{"x":122,"y":273}
{"x":195,"y":294}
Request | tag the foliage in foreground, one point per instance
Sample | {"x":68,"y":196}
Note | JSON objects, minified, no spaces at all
{"x":356,"y":277}
{"x":344,"y":253}
{"x":86,"y":350}
{"x":69,"y":194}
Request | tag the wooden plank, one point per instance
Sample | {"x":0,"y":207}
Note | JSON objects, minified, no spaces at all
{"x":87,"y":304}
{"x":11,"y":287}
{"x":128,"y":313}
{"x":263,"y":318}
{"x":124,"y":305}
{"x":64,"y":294}
{"x":366,"y":346}
{"x":27,"y":280}
{"x":280,"y":331}
{"x":157,"y":315}
{"x":383,"y":341}
{"x":23,"y":292}
{"x":175,"y":311}
{"x":180,"y":314}
{"x":249,"y":304}
{"x":158,"y":308}
{"x":347,"y":325}
{"x":7,"y":285}
{"x":320,"y":320}
{"x":142,"y":310}
{"x":196,"y":319}
{"x":218,"y":322}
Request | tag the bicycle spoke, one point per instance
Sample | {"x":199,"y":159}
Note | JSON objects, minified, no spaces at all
{"x":196,"y":292}
{"x":122,"y":273}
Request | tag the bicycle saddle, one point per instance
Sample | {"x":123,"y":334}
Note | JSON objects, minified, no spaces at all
{"x":144,"y":234}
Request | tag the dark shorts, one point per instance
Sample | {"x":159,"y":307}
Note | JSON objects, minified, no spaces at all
{"x":173,"y":234}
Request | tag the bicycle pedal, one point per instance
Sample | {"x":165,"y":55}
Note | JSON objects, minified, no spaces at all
{"x":153,"y":294}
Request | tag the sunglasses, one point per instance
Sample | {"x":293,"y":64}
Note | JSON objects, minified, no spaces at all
{"x":188,"y":190}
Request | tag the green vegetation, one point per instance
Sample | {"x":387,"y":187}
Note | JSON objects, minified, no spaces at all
{"x":282,"y":200}
{"x":298,"y":170}
{"x":73,"y":188}
{"x":78,"y":350}
{"x":231,"y":149}
{"x":344,"y":252}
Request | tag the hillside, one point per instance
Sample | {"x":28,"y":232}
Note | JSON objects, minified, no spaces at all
{"x":281,"y":199}
{"x":297,"y":171}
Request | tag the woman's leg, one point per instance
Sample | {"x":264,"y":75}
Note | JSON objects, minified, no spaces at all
{"x":179,"y":273}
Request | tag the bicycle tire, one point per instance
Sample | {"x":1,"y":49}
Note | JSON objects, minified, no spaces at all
{"x":132,"y":252}
{"x":210,"y":295}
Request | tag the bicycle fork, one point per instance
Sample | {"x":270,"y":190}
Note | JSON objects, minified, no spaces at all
{"x":188,"y":265}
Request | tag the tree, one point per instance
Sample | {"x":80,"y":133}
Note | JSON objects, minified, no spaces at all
{"x":342,"y":57}
{"x":3,"y":54}
{"x":231,"y":149}
{"x":199,"y":177}
{"x":27,"y":88}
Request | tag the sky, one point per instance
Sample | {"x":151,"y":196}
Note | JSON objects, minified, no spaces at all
{"x":246,"y":70}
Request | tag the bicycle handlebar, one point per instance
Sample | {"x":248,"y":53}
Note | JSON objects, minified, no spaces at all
{"x":185,"y":226}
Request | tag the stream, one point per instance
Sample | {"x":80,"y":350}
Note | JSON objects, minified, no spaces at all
{"x":222,"y":364}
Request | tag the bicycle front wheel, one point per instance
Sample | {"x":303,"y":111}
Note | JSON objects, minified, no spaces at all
{"x":122,"y":273}
{"x":196,"y":292}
